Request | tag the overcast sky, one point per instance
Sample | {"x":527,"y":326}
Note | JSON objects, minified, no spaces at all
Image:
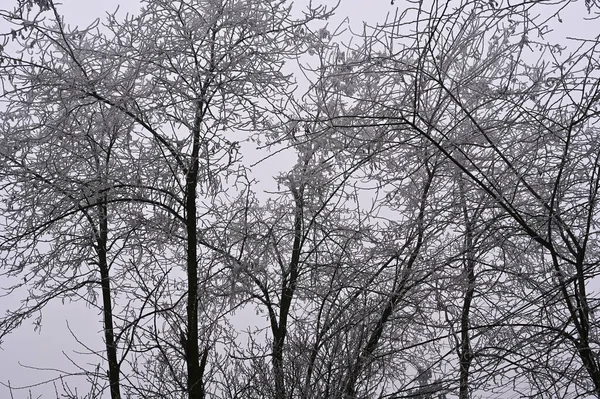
{"x":45,"y":349}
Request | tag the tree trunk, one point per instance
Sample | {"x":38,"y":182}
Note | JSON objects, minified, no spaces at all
{"x":465,"y":354}
{"x":109,"y":336}
{"x":287,"y":294}
{"x":192,"y":352}
{"x":590,"y":364}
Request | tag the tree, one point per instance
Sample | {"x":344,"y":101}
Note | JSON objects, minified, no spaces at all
{"x":434,"y":237}
{"x":519,"y":131}
{"x":203,"y":67}
{"x":60,"y":172}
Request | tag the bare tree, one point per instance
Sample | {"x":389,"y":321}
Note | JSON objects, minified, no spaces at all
{"x":180,"y":75}
{"x":435,"y":236}
{"x":520,"y":131}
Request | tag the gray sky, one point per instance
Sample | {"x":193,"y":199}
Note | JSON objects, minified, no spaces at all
{"x":45,"y":349}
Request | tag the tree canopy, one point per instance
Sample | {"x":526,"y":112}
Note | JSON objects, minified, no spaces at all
{"x":430,"y":232}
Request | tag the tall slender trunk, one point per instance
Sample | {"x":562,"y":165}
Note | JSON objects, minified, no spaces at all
{"x":287,"y":294}
{"x":466,"y":356}
{"x":279,"y":376}
{"x":465,"y":353}
{"x":109,"y":335}
{"x":192,"y":351}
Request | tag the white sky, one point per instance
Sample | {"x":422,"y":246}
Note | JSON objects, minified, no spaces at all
{"x":45,"y":349}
